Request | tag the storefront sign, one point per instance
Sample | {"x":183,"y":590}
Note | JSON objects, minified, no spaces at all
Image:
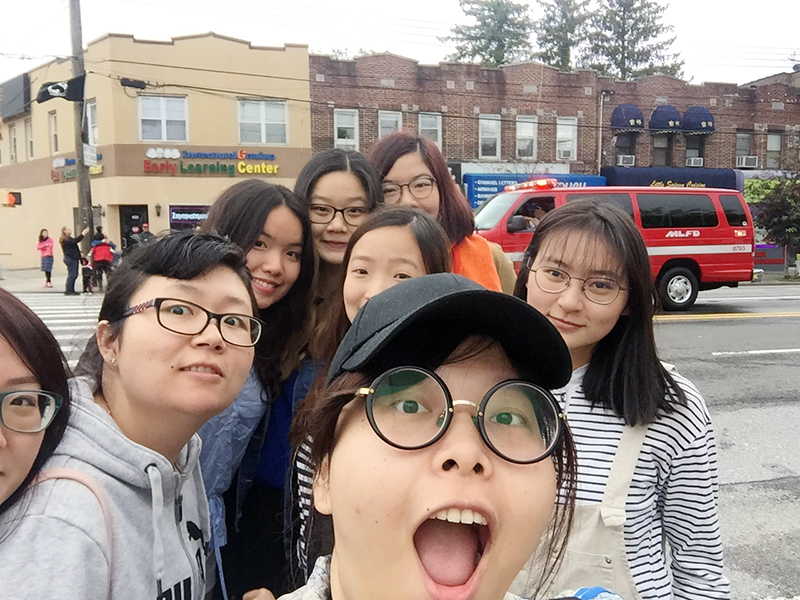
{"x":186,"y":217}
{"x":674,"y":177}
{"x":59,"y":176}
{"x":171,"y":161}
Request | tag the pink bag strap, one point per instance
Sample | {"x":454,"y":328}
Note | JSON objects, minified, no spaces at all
{"x":99,"y":493}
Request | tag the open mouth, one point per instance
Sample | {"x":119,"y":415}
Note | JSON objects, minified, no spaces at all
{"x":450,"y":545}
{"x":204,"y":369}
{"x":264,"y":286}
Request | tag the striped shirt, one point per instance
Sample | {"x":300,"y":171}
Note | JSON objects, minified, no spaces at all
{"x":673,"y":494}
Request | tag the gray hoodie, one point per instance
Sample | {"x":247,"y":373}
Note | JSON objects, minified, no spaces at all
{"x":56,"y":545}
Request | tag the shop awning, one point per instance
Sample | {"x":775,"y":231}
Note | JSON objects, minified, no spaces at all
{"x":665,"y":119}
{"x":627,"y":117}
{"x":698,"y":120}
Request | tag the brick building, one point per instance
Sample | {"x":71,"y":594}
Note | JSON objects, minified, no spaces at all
{"x":529,"y":117}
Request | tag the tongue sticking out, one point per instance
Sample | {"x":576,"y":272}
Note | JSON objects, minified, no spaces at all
{"x":448,"y":551}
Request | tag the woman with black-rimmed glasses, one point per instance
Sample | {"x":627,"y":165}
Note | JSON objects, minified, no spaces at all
{"x":414,"y":173}
{"x":34,"y":403}
{"x":125,"y":515}
{"x":648,"y":486}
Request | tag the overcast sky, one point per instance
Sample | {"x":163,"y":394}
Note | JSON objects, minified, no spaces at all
{"x":720,"y":40}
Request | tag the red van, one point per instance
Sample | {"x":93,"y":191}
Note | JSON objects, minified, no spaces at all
{"x":697,"y":238}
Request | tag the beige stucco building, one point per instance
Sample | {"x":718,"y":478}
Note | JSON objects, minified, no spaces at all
{"x":174,"y":123}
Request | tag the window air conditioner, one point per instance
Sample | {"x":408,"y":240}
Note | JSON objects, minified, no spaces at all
{"x":694,"y":161}
{"x":564,"y":154}
{"x":747,"y":162}
{"x":626,"y":160}
{"x":346,"y":145}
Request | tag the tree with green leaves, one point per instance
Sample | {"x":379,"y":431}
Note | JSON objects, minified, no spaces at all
{"x":560,"y":31}
{"x":777,"y":211}
{"x":626,"y":40}
{"x":500,"y":35}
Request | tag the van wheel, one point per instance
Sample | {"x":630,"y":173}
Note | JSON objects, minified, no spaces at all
{"x":678,"y":289}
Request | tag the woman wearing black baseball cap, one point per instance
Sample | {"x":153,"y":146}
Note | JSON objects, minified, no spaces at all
{"x":440,"y":450}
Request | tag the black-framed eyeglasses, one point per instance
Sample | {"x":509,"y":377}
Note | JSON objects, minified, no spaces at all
{"x":28,"y":411}
{"x":600,"y":290}
{"x":322,"y":214}
{"x":188,"y":318}
{"x":411,"y":408}
{"x":420,"y":188}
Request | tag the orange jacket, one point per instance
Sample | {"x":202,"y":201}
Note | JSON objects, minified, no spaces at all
{"x":472,"y":258}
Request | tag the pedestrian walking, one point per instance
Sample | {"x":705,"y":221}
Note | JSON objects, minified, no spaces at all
{"x":648,"y":481}
{"x":72,"y":256}
{"x":146,"y":236}
{"x":45,"y":247}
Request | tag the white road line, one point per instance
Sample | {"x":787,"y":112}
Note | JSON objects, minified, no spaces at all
{"x":754,"y":352}
{"x":746,"y":299}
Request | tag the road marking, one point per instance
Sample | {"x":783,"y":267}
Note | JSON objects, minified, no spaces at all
{"x":746,"y":299}
{"x":753,"y":352}
{"x":724,"y":316}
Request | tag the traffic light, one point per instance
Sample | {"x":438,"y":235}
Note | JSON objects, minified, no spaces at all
{"x":14,"y":198}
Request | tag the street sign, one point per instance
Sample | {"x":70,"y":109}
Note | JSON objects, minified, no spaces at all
{"x":89,"y":155}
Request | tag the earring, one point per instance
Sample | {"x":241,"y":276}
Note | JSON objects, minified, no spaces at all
{"x":112,"y":361}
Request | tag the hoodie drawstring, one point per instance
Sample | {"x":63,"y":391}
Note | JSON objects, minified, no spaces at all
{"x":157,"y":497}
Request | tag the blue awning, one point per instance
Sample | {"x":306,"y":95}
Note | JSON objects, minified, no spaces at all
{"x":627,"y":117}
{"x":665,"y":119}
{"x":698,"y":120}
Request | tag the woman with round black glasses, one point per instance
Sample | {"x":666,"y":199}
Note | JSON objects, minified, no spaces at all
{"x":34,"y":404}
{"x":440,"y":451}
{"x":173,"y":347}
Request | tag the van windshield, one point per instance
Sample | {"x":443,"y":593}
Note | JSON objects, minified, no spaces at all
{"x":488,"y":214}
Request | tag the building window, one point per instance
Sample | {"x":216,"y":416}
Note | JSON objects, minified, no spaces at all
{"x":389,"y":122}
{"x":662,"y":150}
{"x":29,"y":138}
{"x":744,"y":143}
{"x":527,"y":131}
{"x":489,"y":132}
{"x":625,"y":145}
{"x":773,"y":151}
{"x":163,"y":118}
{"x":345,"y":129}
{"x":695,"y":146}
{"x":52,"y":126}
{"x":91,"y":122}
{"x":566,"y":138}
{"x":12,"y":142}
{"x":262,"y":122}
{"x":430,"y":126}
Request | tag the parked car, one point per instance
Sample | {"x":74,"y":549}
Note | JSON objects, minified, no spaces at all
{"x":697,"y":238}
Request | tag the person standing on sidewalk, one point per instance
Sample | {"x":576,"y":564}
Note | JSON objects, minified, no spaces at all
{"x":102,"y":259}
{"x":72,"y":256}
{"x":45,"y":248}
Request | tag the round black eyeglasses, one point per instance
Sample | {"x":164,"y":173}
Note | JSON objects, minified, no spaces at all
{"x":411,"y":408}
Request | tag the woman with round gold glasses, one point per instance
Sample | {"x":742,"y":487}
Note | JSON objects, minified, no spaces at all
{"x":643,"y":432}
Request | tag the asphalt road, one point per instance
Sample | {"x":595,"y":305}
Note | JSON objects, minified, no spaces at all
{"x":741,"y":347}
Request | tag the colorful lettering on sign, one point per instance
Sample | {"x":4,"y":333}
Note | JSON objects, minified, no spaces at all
{"x":160,"y":167}
{"x":262,"y":168}
{"x":200,"y":168}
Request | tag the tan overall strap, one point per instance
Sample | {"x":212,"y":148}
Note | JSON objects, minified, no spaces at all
{"x":102,"y":498}
{"x":615,"y":495}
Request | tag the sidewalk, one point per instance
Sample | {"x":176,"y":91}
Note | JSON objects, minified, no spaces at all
{"x":32,"y":280}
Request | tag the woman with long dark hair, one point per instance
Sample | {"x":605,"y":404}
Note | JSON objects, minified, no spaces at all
{"x":34,"y":403}
{"x":414,"y":173}
{"x":648,"y":486}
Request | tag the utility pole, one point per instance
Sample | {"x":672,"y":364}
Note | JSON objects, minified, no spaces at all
{"x":84,"y":189}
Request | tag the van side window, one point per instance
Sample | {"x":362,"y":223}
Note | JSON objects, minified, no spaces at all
{"x":677,"y":210}
{"x":534,"y":209}
{"x":734,"y":211}
{"x":621,"y":200}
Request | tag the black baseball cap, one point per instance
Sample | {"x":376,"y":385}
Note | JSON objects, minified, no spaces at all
{"x":444,"y":309}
